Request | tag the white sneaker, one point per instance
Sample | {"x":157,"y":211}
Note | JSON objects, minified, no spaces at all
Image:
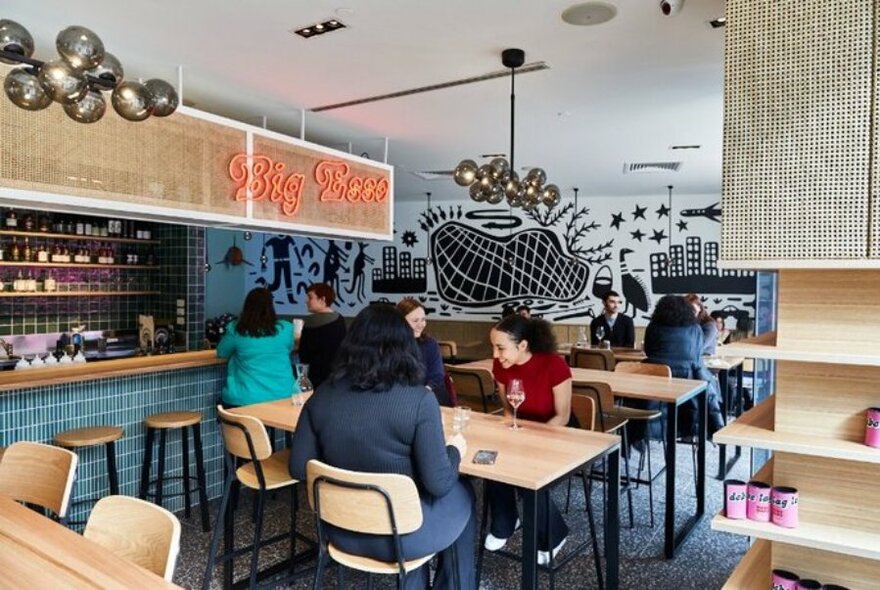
{"x":493,"y":543}
{"x":544,"y":556}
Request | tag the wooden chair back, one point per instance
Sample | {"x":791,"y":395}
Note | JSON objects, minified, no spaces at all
{"x":236,"y":429}
{"x":138,"y":531}
{"x":644,"y":369}
{"x":592,"y":358}
{"x":472,"y":383}
{"x":448,"y":349}
{"x":584,"y":409}
{"x":38,"y":474}
{"x":368,"y":503}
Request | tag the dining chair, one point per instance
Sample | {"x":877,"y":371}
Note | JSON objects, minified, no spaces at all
{"x":39,"y":474}
{"x":136,"y":530}
{"x":448,"y":350}
{"x":473,"y":386}
{"x":592,"y":358}
{"x":367,"y":503}
{"x":251,"y":462}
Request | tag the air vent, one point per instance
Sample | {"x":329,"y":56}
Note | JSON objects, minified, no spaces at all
{"x":433,"y":174}
{"x":526,"y":69}
{"x":649,"y":167}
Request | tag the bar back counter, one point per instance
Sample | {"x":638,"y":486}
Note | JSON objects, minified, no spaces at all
{"x":38,"y":403}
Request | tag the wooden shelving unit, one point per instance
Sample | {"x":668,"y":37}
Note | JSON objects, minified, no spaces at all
{"x":73,"y":237}
{"x":81,"y":265}
{"x":837,"y":352}
{"x":77,"y":293}
{"x":753,"y":571}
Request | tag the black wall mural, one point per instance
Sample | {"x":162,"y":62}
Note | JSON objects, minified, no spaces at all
{"x":465,"y":261}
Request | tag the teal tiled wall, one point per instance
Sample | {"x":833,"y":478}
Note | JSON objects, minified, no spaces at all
{"x":36,"y":414}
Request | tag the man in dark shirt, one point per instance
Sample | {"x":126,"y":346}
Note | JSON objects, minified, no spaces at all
{"x":322,"y":333}
{"x":616,"y":327}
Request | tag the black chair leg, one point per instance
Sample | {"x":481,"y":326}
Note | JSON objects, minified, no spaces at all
{"x":160,"y":477}
{"x":258,"y":533}
{"x":319,"y":570}
{"x":200,"y":476}
{"x":340,"y":576}
{"x":148,"y":463}
{"x":293,"y":504}
{"x":215,"y":538}
{"x":568,"y":494}
{"x":112,"y":472}
{"x":651,"y":481}
{"x":592,"y":523}
{"x":484,"y":521}
{"x":184,"y":447}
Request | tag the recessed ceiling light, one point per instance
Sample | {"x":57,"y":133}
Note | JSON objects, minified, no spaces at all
{"x":692,"y":146}
{"x":317,"y":29}
{"x":587,"y":14}
{"x":718,"y":22}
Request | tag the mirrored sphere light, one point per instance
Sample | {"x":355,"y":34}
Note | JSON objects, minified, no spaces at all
{"x":132,"y":101}
{"x":537,"y":176}
{"x":532,"y":192}
{"x":165,"y":100}
{"x":551,"y":195}
{"x":63,"y":82}
{"x":512,"y":187}
{"x":24,"y":90}
{"x":476,"y":192}
{"x":14,"y":38}
{"x":88,"y":110}
{"x":465,"y":173}
{"x":500,"y":168}
{"x":110,"y":70}
{"x":496,"y":194}
{"x":80,"y":47}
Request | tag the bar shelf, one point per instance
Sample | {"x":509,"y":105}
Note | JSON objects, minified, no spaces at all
{"x":73,"y":237}
{"x":80,"y":265}
{"x":76,"y":293}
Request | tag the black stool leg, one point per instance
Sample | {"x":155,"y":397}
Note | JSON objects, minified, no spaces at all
{"x":258,"y":533}
{"x":215,"y":538}
{"x":293,"y":506}
{"x":184,"y":444}
{"x":160,"y":477}
{"x":112,"y":473}
{"x":200,"y":475}
{"x":592,"y":522}
{"x":148,"y":463}
{"x":484,"y":521}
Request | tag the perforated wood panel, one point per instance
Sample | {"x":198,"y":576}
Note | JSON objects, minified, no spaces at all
{"x":875,"y":171}
{"x":797,"y":129}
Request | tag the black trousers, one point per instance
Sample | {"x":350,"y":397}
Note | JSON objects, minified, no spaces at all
{"x":503,"y":514}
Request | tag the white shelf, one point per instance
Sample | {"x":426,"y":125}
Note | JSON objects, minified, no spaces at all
{"x":755,"y":429}
{"x":765,"y":347}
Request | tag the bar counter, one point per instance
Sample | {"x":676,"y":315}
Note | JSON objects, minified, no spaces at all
{"x":35,"y":404}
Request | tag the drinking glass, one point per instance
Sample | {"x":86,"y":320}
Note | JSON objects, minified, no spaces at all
{"x":516,"y":395}
{"x":460,"y":417}
{"x":305,"y":386}
{"x":600,"y":333}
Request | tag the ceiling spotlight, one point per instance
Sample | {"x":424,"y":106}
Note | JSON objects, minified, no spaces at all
{"x":718,"y":22}
{"x":317,"y":29}
{"x":671,"y":7}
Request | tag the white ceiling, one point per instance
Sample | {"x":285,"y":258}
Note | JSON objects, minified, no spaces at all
{"x":624,"y":91}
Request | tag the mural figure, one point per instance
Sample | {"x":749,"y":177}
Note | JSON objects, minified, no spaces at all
{"x":712,"y":212}
{"x":357,"y":273}
{"x":694,"y":267}
{"x":400,"y":273}
{"x":334,"y":258}
{"x":281,"y":247}
{"x":634,"y":291}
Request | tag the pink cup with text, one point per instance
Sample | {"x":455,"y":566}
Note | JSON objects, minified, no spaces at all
{"x":809,"y":585}
{"x":784,"y":580}
{"x":872,"y":429}
{"x":784,"y":506}
{"x":758,"y":501}
{"x":735,"y":499}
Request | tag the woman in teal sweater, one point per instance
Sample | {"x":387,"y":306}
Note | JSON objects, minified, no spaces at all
{"x":258,"y":346}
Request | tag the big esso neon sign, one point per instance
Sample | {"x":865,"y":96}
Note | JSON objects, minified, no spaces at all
{"x":267,"y":179}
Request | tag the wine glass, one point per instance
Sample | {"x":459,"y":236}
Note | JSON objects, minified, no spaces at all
{"x":516,"y":395}
{"x":305,"y":385}
{"x":600,"y":333}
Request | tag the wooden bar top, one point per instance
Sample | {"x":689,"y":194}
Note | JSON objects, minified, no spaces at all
{"x":647,"y":387}
{"x":36,"y":552}
{"x":73,"y":373}
{"x":530,"y":458}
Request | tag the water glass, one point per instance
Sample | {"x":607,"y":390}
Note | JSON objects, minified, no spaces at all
{"x":305,"y":386}
{"x":461,"y":415}
{"x":516,"y":395}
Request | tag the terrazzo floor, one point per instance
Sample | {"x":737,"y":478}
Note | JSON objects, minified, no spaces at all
{"x":704,"y":561}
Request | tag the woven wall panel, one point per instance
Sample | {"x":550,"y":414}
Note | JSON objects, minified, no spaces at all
{"x":875,"y":171}
{"x":797,"y":113}
{"x":177,"y":162}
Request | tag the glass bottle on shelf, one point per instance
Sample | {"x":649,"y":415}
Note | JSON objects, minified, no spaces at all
{"x":11,"y":220}
{"x":42,"y":253}
{"x":15,"y":253}
{"x":49,"y":284}
{"x":69,"y":227}
{"x":26,"y":254}
{"x":29,"y":222}
{"x":45,"y":223}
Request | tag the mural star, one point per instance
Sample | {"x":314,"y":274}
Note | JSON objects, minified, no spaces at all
{"x":682,"y":225}
{"x":663,"y":211}
{"x":658,"y":236}
{"x":637,"y":235}
{"x":639,"y":212}
{"x":616,"y":220}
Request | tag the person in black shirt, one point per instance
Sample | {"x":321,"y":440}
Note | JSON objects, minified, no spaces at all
{"x":322,"y":333}
{"x":616,"y":327}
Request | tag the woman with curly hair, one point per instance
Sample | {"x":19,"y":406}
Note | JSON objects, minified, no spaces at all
{"x":374,"y":414}
{"x":525,"y":349}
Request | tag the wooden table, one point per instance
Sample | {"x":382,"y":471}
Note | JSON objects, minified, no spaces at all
{"x":672,"y":393}
{"x":531,"y":459}
{"x":37,"y":552}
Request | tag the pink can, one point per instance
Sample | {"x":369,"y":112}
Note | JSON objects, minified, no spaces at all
{"x":872,"y":428}
{"x":758,"y":501}
{"x":809,"y":585}
{"x":784,"y":506}
{"x":735,"y":499}
{"x":784,"y":580}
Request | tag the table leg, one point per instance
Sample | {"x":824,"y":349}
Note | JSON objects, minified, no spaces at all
{"x":530,"y":540}
{"x":229,"y":537}
{"x":612,"y":523}
{"x":724,"y":466}
{"x":725,"y":406}
{"x":669,"y":518}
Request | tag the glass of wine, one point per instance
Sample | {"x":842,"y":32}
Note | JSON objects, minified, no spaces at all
{"x":516,"y":395}
{"x":600,"y":334}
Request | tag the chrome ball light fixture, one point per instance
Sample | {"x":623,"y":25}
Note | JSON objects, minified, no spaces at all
{"x":497,"y":180}
{"x":79,"y":78}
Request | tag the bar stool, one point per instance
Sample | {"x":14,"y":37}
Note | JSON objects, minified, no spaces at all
{"x":92,"y":436}
{"x":163,"y":423}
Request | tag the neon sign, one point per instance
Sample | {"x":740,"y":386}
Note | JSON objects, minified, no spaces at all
{"x":266,"y":179}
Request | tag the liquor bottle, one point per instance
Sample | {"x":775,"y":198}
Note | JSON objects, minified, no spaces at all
{"x":80,"y":228}
{"x":49,"y":284}
{"x":69,"y":227}
{"x":31,"y":283}
{"x":15,"y":253}
{"x":42,"y":253}
{"x":45,"y":223}
{"x":151,"y":257}
{"x":27,"y":254}
{"x":111,"y":256}
{"x":29,"y":222}
{"x":11,"y":220}
{"x":18,"y":284}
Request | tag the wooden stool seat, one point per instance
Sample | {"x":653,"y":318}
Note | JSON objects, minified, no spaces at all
{"x":373,"y":566}
{"x":276,"y":472}
{"x":2,"y":450}
{"x":173,"y":420}
{"x":89,"y":436}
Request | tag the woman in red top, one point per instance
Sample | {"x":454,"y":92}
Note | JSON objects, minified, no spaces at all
{"x":526,"y":349}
